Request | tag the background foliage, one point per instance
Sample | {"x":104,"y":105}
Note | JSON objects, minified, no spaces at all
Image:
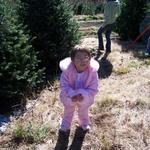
{"x":86,"y":7}
{"x":18,"y":60}
{"x":56,"y":32}
{"x":132,"y":14}
{"x":36,"y":34}
{"x":144,"y":24}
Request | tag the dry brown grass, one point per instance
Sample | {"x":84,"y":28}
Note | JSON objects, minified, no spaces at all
{"x":120,"y":116}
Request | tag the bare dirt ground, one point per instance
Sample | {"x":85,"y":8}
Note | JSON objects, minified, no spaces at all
{"x":120,"y":116}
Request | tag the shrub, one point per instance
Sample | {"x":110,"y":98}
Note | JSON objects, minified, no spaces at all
{"x":56,"y":32}
{"x":131,"y":16}
{"x":87,"y":7}
{"x":144,"y":24}
{"x":18,"y":60}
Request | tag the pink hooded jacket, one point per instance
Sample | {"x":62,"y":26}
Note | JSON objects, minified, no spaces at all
{"x":72,"y":82}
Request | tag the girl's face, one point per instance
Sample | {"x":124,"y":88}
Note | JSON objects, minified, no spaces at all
{"x":81,"y":61}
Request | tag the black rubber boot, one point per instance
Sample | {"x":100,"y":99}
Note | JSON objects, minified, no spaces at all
{"x":63,"y":140}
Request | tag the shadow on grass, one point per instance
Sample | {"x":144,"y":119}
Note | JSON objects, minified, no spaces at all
{"x":138,"y":49}
{"x":63,"y":139}
{"x":141,"y":54}
{"x":105,"y":68}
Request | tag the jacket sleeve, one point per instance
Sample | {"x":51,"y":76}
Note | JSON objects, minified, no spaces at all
{"x":65,"y":85}
{"x":118,"y":10}
{"x":107,"y":14}
{"x":92,"y":88}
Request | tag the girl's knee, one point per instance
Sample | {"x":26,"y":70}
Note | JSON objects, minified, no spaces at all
{"x":86,"y":104}
{"x":67,"y":102}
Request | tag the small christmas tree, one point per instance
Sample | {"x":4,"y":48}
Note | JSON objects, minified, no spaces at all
{"x":56,"y":32}
{"x":144,"y":24}
{"x":18,"y":61}
{"x":133,"y":12}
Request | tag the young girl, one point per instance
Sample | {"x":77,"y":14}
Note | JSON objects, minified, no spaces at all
{"x":79,"y":85}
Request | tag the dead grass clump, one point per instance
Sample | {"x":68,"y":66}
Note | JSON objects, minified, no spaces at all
{"x":103,"y":119}
{"x":107,"y":102}
{"x":143,"y":104}
{"x":108,"y":146}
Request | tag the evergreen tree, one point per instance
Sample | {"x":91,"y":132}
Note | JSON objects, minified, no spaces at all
{"x":128,"y":23}
{"x":144,"y":24}
{"x":56,"y":32}
{"x":18,"y":61}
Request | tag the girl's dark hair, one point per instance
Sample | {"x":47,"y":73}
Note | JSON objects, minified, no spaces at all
{"x":76,"y":50}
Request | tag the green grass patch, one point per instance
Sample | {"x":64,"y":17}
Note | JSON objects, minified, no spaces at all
{"x":90,"y":31}
{"x":92,"y":17}
{"x":134,"y":64}
{"x":30,"y":133}
{"x":121,"y":70}
{"x":147,"y":62}
{"x":106,"y":143}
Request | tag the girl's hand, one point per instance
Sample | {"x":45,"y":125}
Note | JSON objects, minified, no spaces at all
{"x":75,"y":98}
{"x":80,"y":97}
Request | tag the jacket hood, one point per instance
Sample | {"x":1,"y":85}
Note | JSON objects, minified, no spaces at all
{"x":64,"y":64}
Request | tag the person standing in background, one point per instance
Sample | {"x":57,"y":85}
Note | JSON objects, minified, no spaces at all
{"x":111,"y":12}
{"x":147,"y":53}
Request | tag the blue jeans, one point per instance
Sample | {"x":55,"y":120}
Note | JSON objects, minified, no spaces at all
{"x":107,"y":30}
{"x":148,"y":45}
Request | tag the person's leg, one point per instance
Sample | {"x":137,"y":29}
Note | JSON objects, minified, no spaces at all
{"x":148,"y":46}
{"x":108,"y":40}
{"x":69,"y":109}
{"x":100,"y":38}
{"x":100,"y":42}
{"x":83,"y":115}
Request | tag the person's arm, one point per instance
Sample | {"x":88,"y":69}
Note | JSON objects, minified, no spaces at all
{"x":78,"y":97}
{"x":92,"y":88}
{"x":65,"y":85}
{"x":118,"y":10}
